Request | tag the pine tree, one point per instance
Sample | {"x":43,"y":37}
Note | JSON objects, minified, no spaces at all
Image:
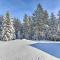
{"x":46,"y":23}
{"x":58,"y":27}
{"x":1,"y":26}
{"x":8,"y":28}
{"x":46,"y":17}
{"x":59,"y":21}
{"x":18,"y":27}
{"x":26,"y":27}
{"x":38,"y":22}
{"x":52,"y":28}
{"x":59,"y":15}
{"x":30,"y":30}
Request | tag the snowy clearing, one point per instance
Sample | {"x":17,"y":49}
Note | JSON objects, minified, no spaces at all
{"x":21,"y":50}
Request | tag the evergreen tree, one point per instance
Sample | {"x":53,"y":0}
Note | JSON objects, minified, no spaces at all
{"x":26,"y":27}
{"x":52,"y":28}
{"x":8,"y":28}
{"x":58,"y":27}
{"x":18,"y":27}
{"x":46,"y":23}
{"x":38,"y":22}
{"x":46,"y":17}
{"x":59,"y":15}
{"x":59,"y":21}
{"x":30,"y":30}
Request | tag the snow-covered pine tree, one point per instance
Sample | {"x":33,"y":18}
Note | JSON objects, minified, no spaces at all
{"x":46,"y":23}
{"x":58,"y":26}
{"x":39,"y":22}
{"x":59,"y":21}
{"x":26,"y":27}
{"x":30,"y":30}
{"x":46,"y":16}
{"x":8,"y":28}
{"x":18,"y":28}
{"x":52,"y":27}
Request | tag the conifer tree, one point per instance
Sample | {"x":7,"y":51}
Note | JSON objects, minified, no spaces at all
{"x":26,"y":27}
{"x":58,"y":27}
{"x":39,"y":22}
{"x":52,"y":27}
{"x":18,"y":27}
{"x":8,"y":28}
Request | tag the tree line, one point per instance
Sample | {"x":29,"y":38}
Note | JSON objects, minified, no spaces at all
{"x":39,"y":26}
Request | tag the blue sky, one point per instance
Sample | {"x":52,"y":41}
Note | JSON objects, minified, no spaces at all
{"x":19,"y":7}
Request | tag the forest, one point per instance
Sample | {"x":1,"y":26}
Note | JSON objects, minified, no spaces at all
{"x":39,"y":26}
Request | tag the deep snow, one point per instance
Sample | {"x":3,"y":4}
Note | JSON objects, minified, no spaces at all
{"x":21,"y":50}
{"x":51,"y":48}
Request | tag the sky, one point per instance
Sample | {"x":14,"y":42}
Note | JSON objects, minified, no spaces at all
{"x":18,"y":8}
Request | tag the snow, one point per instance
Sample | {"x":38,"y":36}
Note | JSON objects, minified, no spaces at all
{"x":45,"y":41}
{"x":50,"y":48}
{"x":21,"y":50}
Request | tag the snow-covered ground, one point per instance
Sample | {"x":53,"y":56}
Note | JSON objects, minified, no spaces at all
{"x":21,"y":50}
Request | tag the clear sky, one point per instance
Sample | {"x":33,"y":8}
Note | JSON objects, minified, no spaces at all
{"x":19,"y":7}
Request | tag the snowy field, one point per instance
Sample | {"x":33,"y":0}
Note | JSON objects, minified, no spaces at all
{"x":21,"y":50}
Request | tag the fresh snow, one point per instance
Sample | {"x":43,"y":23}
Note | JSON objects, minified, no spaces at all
{"x":21,"y":50}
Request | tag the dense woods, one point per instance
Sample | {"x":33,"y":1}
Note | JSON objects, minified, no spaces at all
{"x":39,"y":26}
